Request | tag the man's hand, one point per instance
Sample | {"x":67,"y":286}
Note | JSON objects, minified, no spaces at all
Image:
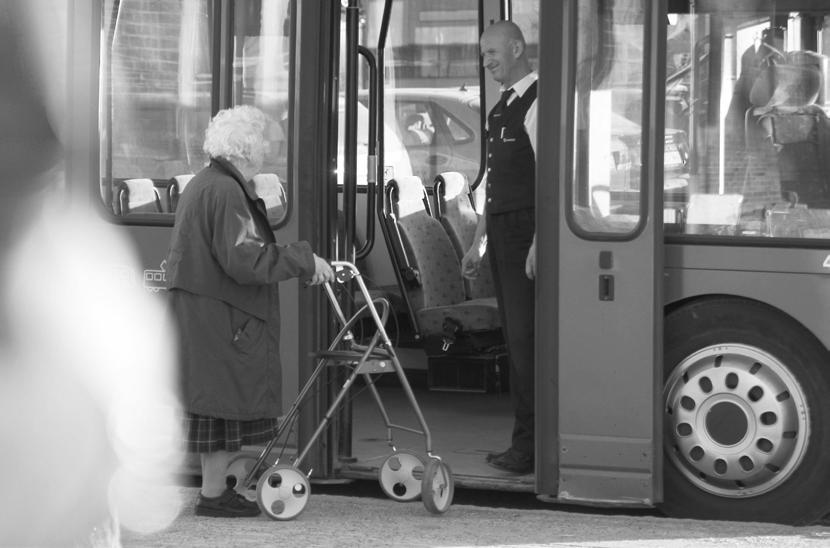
{"x":471,"y":263}
{"x":530,"y":262}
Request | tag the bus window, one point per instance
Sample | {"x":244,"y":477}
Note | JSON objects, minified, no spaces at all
{"x":432,"y":73}
{"x":525,"y":13}
{"x":156,"y":83}
{"x":608,"y":134}
{"x":746,"y":104}
{"x":155,"y":102}
{"x":261,"y":78}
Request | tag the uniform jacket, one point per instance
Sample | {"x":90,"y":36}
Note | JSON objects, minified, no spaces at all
{"x":223,"y":268}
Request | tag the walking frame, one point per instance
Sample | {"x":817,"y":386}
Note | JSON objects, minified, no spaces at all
{"x":282,"y":490}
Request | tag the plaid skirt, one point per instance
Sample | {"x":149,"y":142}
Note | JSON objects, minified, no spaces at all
{"x":205,"y":434}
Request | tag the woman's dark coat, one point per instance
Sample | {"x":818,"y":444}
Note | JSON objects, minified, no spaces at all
{"x":222,"y":272}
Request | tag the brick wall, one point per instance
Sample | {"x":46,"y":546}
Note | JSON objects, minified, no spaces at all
{"x":153,"y":133}
{"x":146,"y":46}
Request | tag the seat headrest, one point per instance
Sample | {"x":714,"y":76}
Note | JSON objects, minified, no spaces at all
{"x":411,"y":195}
{"x":142,"y":191}
{"x":794,"y":81}
{"x":182,"y":180}
{"x":136,"y":196}
{"x":455,"y":184}
{"x":269,"y":188}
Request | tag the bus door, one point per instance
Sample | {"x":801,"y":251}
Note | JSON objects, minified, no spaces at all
{"x":599,"y":239}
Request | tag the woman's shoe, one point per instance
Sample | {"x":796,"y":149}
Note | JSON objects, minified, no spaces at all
{"x":229,"y":504}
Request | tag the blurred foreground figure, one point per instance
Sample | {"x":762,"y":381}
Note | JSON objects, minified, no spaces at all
{"x":88,"y":415}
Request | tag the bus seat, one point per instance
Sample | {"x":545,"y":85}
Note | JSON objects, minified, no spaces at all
{"x":411,"y":197}
{"x":457,"y":215}
{"x":797,"y":129}
{"x":406,"y":197}
{"x":270,"y":190}
{"x":438,"y":298}
{"x":175,"y":189}
{"x":136,"y":196}
{"x":795,"y":80}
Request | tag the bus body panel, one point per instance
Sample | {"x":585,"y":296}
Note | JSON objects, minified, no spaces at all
{"x":790,"y":280}
{"x":606,"y":416}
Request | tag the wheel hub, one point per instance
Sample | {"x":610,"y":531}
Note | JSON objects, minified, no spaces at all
{"x":736,"y":420}
{"x":726,"y":423}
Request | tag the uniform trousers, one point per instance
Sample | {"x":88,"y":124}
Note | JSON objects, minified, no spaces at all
{"x":509,"y":236}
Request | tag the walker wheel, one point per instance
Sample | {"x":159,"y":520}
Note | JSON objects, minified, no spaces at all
{"x":238,"y":469}
{"x":282,"y":492}
{"x":397,"y":476}
{"x":437,"y":487}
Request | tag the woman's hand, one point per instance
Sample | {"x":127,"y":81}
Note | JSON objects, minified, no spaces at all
{"x":322,"y":272}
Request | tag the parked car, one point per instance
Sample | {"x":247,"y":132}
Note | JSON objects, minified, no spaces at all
{"x":439,"y":128}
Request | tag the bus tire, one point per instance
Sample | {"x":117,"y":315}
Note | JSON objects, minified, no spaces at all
{"x":746,"y":427}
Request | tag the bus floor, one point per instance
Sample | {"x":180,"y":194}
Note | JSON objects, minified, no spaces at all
{"x":464,"y":427}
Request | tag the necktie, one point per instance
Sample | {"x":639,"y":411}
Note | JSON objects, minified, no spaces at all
{"x":505,"y":95}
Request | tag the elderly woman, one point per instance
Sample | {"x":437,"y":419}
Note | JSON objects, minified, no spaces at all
{"x":222,"y":272}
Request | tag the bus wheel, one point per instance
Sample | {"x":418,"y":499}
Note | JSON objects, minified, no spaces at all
{"x":746,"y":416}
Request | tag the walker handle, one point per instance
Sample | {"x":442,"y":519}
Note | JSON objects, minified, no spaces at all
{"x":343,"y":275}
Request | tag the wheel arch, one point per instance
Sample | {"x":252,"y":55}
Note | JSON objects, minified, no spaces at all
{"x":704,"y":299}
{"x":801,"y":296}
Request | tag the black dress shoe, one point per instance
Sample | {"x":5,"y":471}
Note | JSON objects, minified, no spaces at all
{"x":229,"y":504}
{"x":513,"y":461}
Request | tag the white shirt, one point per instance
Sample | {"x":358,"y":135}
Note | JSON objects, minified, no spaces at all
{"x":519,"y":89}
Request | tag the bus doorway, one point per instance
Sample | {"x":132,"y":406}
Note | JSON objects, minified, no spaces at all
{"x":602,"y":255}
{"x":430,"y":111}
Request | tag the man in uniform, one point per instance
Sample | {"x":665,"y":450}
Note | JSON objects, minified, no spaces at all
{"x":508,"y":225}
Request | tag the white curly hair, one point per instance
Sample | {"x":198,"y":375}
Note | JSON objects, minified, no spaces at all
{"x":235,"y":133}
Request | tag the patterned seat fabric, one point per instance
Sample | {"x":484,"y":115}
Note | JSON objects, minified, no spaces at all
{"x":439,"y":293}
{"x":459,"y":218}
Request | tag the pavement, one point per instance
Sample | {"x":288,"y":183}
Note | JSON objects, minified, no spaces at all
{"x":344,"y":521}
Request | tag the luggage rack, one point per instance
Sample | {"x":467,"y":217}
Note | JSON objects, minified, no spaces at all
{"x":282,"y":490}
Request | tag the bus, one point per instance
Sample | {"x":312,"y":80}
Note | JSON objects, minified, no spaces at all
{"x":683,"y":220}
